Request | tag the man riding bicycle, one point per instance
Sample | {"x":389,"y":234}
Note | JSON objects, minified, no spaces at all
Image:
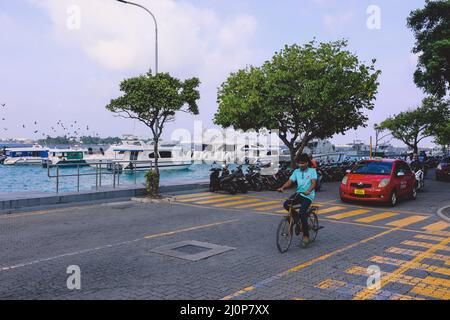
{"x":306,"y":179}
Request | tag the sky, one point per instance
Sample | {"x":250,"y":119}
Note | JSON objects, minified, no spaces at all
{"x":63,"y":60}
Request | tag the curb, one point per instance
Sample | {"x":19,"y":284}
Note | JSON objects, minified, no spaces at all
{"x":24,"y":200}
{"x":441,"y":214}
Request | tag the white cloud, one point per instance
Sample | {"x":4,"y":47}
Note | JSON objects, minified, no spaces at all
{"x":121,"y":37}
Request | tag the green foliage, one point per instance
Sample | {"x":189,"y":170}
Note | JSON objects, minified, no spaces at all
{"x":413,"y":126}
{"x":431,"y":27}
{"x":85,"y":140}
{"x":154,"y":101}
{"x":306,"y":92}
{"x":152,"y":183}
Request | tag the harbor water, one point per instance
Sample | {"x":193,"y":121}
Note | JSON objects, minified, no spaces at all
{"x":35,"y":178}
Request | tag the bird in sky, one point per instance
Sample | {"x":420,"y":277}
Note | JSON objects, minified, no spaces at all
{"x":3,"y":104}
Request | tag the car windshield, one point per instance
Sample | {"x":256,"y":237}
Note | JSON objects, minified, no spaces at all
{"x":379,"y":168}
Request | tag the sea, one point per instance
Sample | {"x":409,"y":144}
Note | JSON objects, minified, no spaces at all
{"x":28,"y":178}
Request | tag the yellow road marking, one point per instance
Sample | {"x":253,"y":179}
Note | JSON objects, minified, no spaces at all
{"x":229,"y":204}
{"x":401,"y":278}
{"x":331,"y":209}
{"x":429,"y":286}
{"x":418,"y":266}
{"x":314,"y":205}
{"x":407,"y":221}
{"x":438,"y":226}
{"x":330,"y":284}
{"x":440,"y":233}
{"x":348,"y":214}
{"x":194,"y":195}
{"x":257,"y":204}
{"x":190,"y":229}
{"x":377,"y":217}
{"x":432,"y":291}
{"x":404,"y":297}
{"x":218,"y":200}
{"x":432,"y":238}
{"x":415,"y":253}
{"x":270,"y":208}
{"x":424,"y":245}
{"x":364,"y":294}
{"x":311,"y":262}
{"x":202,"y":198}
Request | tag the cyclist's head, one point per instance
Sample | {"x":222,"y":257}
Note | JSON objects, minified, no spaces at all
{"x":302,"y":160}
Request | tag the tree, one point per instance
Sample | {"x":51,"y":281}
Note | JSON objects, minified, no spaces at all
{"x":304,"y":92}
{"x":154,"y":101}
{"x":379,"y":136}
{"x":413,"y":126}
{"x":431,"y":27}
{"x":441,"y":132}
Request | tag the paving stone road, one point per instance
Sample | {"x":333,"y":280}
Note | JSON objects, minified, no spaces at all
{"x":114,"y":246}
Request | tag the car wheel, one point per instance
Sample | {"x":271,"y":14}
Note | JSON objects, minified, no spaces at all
{"x":344,"y":200}
{"x":413,"y":195}
{"x":393,"y":199}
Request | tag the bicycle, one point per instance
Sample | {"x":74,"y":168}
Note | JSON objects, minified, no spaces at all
{"x":288,"y":226}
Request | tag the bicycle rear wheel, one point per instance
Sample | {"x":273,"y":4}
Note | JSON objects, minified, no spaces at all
{"x":284,"y":235}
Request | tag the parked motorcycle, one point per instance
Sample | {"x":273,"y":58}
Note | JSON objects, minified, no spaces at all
{"x":221,"y":179}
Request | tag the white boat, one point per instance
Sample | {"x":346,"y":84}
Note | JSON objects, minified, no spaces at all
{"x":141,"y":156}
{"x":319,"y":147}
{"x":23,"y":156}
{"x":66,"y":157}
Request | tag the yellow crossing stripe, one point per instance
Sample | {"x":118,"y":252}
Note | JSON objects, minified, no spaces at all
{"x":424,"y":245}
{"x":202,"y":198}
{"x":348,"y":214}
{"x":407,"y":221}
{"x":218,"y":200}
{"x":428,"y":285}
{"x":229,"y":204}
{"x":418,"y":266}
{"x":270,"y":208}
{"x":438,"y":226}
{"x":194,"y":195}
{"x":331,"y":209}
{"x":257,"y":204}
{"x":377,"y":217}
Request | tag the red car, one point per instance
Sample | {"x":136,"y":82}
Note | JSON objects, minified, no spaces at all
{"x":382,"y":181}
{"x":443,"y":170}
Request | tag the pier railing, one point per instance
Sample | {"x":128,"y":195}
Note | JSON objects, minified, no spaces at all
{"x":100,"y":169}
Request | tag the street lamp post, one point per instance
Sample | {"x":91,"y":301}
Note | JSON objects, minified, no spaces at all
{"x":156,"y":29}
{"x":156,"y":68}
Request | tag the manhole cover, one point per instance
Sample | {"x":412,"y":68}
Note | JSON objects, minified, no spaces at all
{"x":191,"y":250}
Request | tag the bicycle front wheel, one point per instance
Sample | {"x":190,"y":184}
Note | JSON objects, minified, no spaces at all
{"x":284,"y":235}
{"x":313,"y":226}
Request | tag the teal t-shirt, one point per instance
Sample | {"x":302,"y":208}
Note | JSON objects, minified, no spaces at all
{"x":304,"y":180}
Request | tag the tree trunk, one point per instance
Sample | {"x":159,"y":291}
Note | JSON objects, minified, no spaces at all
{"x":155,"y":151}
